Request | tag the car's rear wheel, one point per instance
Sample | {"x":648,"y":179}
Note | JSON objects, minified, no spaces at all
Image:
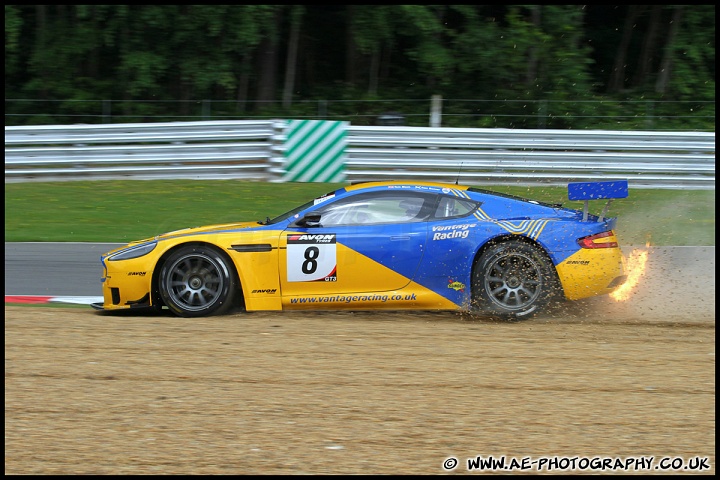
{"x":197,"y":281}
{"x":513,"y":280}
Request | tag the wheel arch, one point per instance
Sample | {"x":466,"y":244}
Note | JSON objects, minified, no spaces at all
{"x":155,"y":282}
{"x":520,"y":238}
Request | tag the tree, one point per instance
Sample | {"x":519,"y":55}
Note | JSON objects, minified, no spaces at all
{"x":13,"y":29}
{"x":162,"y":61}
{"x":664,"y":73}
{"x":296,"y":14}
{"x":692,"y":54}
{"x":650,"y":47}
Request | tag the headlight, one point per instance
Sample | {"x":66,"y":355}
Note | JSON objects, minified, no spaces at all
{"x":134,"y":252}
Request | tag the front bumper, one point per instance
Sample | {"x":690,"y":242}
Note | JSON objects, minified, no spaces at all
{"x":126,"y":284}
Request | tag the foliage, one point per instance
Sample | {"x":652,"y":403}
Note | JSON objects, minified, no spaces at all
{"x":158,"y":62}
{"x":694,"y":54}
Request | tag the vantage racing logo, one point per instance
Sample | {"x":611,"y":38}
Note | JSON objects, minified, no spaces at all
{"x":445,"y":232}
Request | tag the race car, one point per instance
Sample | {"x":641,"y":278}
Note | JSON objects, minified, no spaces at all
{"x":393,"y":245}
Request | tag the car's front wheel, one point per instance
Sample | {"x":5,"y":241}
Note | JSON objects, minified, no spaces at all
{"x":197,"y":281}
{"x":513,"y":280}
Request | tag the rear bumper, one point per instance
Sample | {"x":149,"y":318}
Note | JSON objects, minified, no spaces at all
{"x":592,"y":272}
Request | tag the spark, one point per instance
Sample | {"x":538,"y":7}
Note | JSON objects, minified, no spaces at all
{"x":636,"y":264}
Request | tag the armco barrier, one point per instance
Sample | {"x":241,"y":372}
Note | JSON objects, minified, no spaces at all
{"x":314,"y":151}
{"x":139,"y":151}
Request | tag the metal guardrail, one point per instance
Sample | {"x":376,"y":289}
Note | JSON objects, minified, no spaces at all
{"x":140,"y":151}
{"x":532,"y":157}
{"x":254,"y":150}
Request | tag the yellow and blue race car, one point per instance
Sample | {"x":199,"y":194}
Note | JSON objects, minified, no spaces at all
{"x":380,"y":245}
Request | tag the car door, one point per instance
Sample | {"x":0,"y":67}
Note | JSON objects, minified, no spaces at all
{"x":454,"y":233}
{"x":368,"y":242}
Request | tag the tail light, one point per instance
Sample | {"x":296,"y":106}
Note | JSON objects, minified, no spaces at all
{"x":599,"y":240}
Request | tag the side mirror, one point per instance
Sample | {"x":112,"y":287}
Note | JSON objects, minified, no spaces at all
{"x":309,"y":220}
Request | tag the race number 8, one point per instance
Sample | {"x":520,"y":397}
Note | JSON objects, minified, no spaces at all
{"x":311,"y":258}
{"x":310,"y":264}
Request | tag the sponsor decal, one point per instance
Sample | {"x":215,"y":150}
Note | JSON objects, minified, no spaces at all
{"x":444,"y":232}
{"x":324,"y":198}
{"x":415,"y":187}
{"x":308,"y":238}
{"x":455,"y":285}
{"x":265,"y":290}
{"x":410,"y":297}
{"x":578,"y":262}
{"x":136,"y":274}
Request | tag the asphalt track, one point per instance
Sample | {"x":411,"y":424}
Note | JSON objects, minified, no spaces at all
{"x":54,"y":269}
{"x":679,"y":280}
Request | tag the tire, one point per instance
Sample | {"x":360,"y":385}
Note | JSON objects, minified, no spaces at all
{"x":197,"y":281}
{"x":513,"y":280}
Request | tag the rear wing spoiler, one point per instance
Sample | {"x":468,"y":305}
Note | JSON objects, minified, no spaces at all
{"x":596,"y":191}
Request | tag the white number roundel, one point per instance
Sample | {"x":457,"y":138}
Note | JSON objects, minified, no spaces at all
{"x":311,"y":258}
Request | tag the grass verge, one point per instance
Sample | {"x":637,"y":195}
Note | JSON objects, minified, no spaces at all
{"x":122,"y":210}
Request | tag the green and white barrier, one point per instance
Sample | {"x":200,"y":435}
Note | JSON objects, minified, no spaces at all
{"x":315,"y":151}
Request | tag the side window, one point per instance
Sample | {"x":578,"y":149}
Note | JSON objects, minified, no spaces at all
{"x":451,"y":207}
{"x":376,"y":208}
